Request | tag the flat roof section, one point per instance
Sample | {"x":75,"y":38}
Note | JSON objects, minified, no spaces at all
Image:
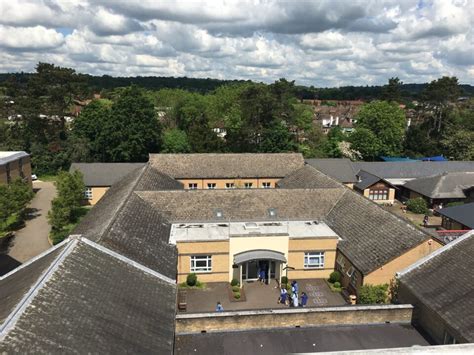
{"x":298,"y":340}
{"x":187,"y":232}
{"x":6,"y":157}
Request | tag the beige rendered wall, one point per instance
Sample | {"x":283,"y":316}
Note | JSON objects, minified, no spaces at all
{"x":387,"y":272}
{"x":290,"y":318}
{"x":350,"y":185}
{"x":97,"y":194}
{"x":219,"y":252}
{"x":242,"y":244}
{"x":220,"y":183}
{"x":296,"y":250}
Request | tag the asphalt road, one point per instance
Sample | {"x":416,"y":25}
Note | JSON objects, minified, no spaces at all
{"x":33,"y":238}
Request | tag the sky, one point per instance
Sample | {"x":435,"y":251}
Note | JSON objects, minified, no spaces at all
{"x":321,"y":43}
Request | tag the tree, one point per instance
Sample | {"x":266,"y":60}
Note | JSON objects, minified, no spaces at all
{"x":14,"y":198}
{"x":66,"y":206}
{"x":276,"y":139}
{"x":133,"y":130}
{"x":202,"y":138}
{"x":366,"y":143}
{"x":387,"y":123}
{"x":459,"y":145}
{"x":175,"y":141}
{"x":392,"y":91}
{"x":373,"y":294}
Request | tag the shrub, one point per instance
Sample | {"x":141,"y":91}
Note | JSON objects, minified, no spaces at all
{"x":335,"y":276}
{"x":236,"y":288}
{"x":191,"y":280}
{"x":234,"y":282}
{"x":373,"y":294}
{"x":417,"y":205}
{"x":237,"y":295}
{"x":284,"y":280}
{"x":337,"y":284}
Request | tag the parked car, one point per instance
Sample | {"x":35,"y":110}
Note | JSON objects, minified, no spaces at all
{"x":34,"y":177}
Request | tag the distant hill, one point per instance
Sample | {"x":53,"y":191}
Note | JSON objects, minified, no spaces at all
{"x":98,"y":83}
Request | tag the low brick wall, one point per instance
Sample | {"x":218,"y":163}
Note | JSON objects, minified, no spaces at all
{"x":290,"y":318}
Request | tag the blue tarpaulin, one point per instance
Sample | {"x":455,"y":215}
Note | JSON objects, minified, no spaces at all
{"x":397,"y":159}
{"x":436,"y":158}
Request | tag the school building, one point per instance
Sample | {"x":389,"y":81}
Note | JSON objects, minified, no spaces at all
{"x":15,"y":165}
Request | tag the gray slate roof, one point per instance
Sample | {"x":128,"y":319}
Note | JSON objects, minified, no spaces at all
{"x":412,"y":170}
{"x":89,"y":300}
{"x":128,"y":225}
{"x":446,"y":185}
{"x":104,"y":174}
{"x":200,"y":166}
{"x":243,"y":204}
{"x":463,"y":214}
{"x":339,"y":169}
{"x":367,"y":179}
{"x":444,"y":283}
{"x":371,"y":235}
{"x":309,"y":178}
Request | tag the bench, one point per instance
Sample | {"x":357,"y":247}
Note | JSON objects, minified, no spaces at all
{"x":182,"y":305}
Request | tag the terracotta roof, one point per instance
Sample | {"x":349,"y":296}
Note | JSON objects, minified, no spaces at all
{"x":200,"y":166}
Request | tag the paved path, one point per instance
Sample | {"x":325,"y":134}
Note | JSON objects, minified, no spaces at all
{"x":33,"y":238}
{"x":259,"y":296}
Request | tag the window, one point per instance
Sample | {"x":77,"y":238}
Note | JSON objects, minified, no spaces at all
{"x":211,"y":185}
{"x":378,"y":194}
{"x":353,"y":275}
{"x":266,"y":185}
{"x":248,"y":185}
{"x":229,"y":185}
{"x":314,"y":260}
{"x":193,"y":186}
{"x":341,"y":261}
{"x":88,"y":193}
{"x":201,"y":263}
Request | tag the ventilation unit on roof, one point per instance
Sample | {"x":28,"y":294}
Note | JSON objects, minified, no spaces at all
{"x":251,"y":225}
{"x":218,"y":213}
{"x":272,"y":212}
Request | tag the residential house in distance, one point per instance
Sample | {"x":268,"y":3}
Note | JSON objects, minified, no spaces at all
{"x":458,"y":218}
{"x":334,"y":113}
{"x":440,"y":287}
{"x":98,"y":177}
{"x":14,"y":165}
{"x":439,"y":190}
{"x":374,"y":188}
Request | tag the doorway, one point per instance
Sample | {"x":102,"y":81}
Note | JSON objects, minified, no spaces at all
{"x":251,"y":269}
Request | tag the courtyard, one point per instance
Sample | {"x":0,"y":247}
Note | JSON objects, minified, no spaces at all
{"x":258,"y":296}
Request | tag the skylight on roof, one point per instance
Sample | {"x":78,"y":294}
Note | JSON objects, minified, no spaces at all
{"x":272,"y":212}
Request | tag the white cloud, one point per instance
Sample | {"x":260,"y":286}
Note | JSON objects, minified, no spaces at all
{"x":323,"y":43}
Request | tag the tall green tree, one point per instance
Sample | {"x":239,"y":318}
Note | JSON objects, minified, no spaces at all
{"x":387,"y":123}
{"x":175,"y":141}
{"x":133,"y":130}
{"x":392,"y":91}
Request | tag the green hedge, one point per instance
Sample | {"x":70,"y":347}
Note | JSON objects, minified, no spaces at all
{"x":373,"y":294}
{"x":417,"y":205}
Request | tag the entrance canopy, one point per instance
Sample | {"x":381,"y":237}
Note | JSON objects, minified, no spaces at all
{"x":259,"y":254}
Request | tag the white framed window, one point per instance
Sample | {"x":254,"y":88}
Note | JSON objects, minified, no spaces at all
{"x":201,"y":263}
{"x":378,"y":195}
{"x":248,"y":185}
{"x":351,"y":271}
{"x":88,"y":193}
{"x":341,"y":261}
{"x":229,"y":185}
{"x":211,"y":186}
{"x":314,"y":260}
{"x":266,"y":185}
{"x":193,"y":186}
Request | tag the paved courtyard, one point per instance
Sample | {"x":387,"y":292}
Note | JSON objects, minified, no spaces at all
{"x":259,"y":296}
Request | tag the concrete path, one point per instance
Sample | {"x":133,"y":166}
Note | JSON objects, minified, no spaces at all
{"x":33,"y":238}
{"x":259,"y":296}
